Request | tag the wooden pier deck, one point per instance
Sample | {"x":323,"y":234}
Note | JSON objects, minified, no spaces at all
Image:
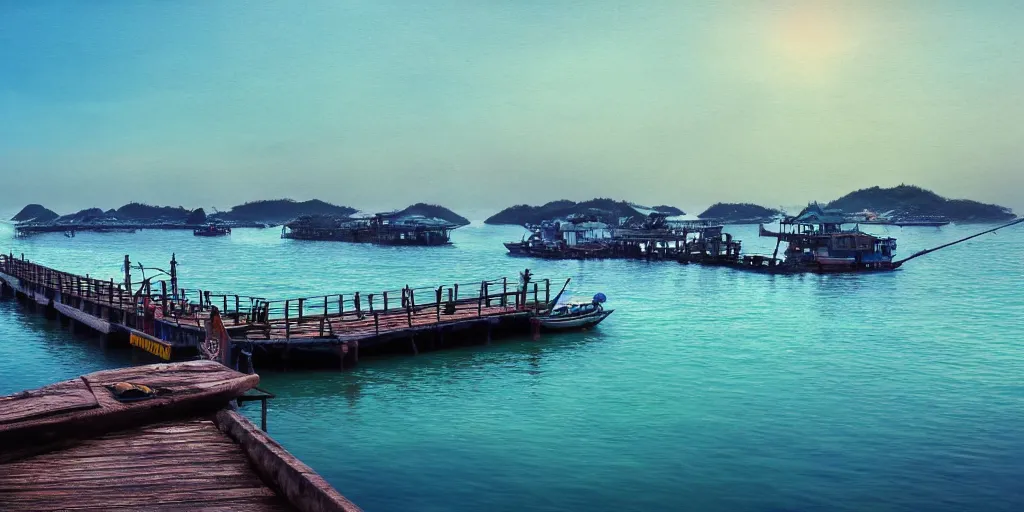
{"x":74,"y":445}
{"x":161,"y":318}
{"x":177,"y":465}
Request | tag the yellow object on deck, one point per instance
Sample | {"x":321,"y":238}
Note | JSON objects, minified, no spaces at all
{"x":157,"y":348}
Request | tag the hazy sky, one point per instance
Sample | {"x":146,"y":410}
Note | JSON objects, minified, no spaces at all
{"x":479,"y":104}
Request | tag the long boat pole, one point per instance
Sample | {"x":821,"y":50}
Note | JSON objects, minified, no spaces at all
{"x":943,"y":246}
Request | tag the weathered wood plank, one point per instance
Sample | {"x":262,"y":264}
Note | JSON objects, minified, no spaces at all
{"x":194,"y":478}
{"x":72,"y":395}
{"x":116,"y":463}
{"x":85,"y":498}
{"x":257,"y":504}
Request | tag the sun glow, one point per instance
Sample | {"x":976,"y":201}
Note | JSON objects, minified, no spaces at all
{"x":810,"y":42}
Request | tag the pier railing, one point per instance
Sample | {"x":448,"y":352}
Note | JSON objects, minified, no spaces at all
{"x":325,"y":316}
{"x":339,"y":314}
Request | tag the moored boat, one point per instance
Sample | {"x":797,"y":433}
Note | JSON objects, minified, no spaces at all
{"x":212,"y":230}
{"x":575,"y":315}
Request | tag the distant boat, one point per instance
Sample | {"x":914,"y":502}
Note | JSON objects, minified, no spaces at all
{"x":212,"y":230}
{"x":870,"y":217}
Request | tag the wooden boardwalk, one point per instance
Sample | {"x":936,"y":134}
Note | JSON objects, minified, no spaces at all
{"x":174,"y":443}
{"x":178,"y":465}
{"x":159,"y":317}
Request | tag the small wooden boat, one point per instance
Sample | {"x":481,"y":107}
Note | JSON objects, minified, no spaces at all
{"x":575,"y":315}
{"x":157,"y":437}
{"x":575,"y":320}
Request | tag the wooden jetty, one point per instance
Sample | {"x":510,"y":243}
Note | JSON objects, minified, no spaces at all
{"x":157,"y":437}
{"x":170,"y":322}
{"x":407,"y":319}
{"x":156,"y":316}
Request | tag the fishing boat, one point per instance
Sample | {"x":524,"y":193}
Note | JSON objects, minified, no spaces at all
{"x":212,"y":230}
{"x":574,"y":314}
{"x":392,"y":228}
{"x":817,"y":242}
{"x":576,"y":238}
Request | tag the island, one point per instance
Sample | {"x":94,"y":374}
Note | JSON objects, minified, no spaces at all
{"x":604,"y":210}
{"x":740,"y":213}
{"x":35,"y":213}
{"x":35,"y":218}
{"x":909,"y":201}
{"x":433,"y":211}
{"x":279,"y":211}
{"x":671,"y":211}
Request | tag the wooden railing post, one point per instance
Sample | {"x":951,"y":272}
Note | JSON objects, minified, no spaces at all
{"x":376,"y":324}
{"x":547,"y":291}
{"x":504,"y":291}
{"x":163,"y":297}
{"x":369,"y":300}
{"x":480,"y":298}
{"x":385,"y":301}
{"x":301,"y":301}
{"x":287,"y":325}
{"x":359,"y":309}
{"x":438,"y":305}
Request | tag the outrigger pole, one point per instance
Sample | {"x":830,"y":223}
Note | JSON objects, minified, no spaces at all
{"x":943,"y":246}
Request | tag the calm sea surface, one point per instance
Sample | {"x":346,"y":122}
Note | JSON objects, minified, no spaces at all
{"x":708,"y":389}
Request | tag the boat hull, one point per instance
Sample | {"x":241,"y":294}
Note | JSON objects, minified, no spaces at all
{"x":574,"y":322}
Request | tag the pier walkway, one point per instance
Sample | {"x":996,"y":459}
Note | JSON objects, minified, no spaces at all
{"x":173,"y":323}
{"x":80,"y":445}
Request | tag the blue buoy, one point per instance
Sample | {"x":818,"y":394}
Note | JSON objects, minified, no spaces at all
{"x":600,"y":298}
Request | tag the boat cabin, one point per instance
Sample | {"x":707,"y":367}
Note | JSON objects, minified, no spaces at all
{"x":817,"y":241}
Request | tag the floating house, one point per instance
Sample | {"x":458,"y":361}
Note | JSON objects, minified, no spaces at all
{"x":582,"y":237}
{"x":710,"y":245}
{"x":381,"y":228}
{"x":817,"y":242}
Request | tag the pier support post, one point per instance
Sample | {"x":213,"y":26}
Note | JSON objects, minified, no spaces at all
{"x":412,"y":341}
{"x":490,"y":327}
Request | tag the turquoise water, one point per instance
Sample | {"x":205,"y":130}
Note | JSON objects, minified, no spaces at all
{"x":708,"y":389}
